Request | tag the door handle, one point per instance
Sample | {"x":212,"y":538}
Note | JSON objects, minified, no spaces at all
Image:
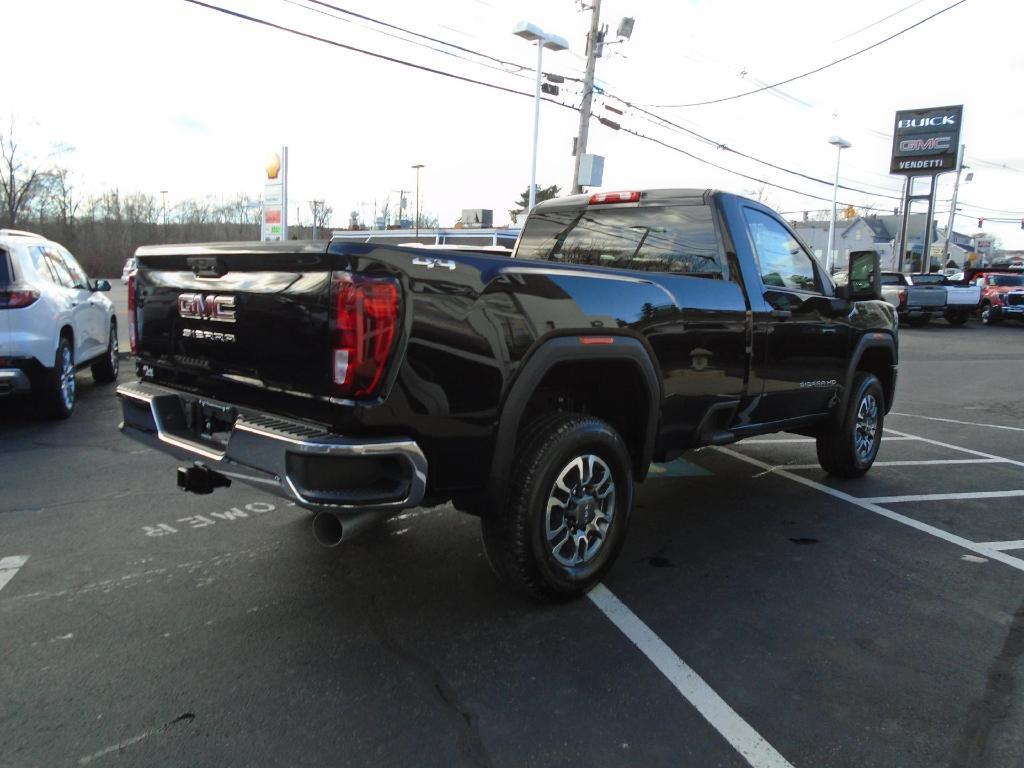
{"x":782,"y":314}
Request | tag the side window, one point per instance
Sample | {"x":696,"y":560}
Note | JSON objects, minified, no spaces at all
{"x":41,"y":264}
{"x":783,"y":262}
{"x":57,"y":268}
{"x":74,"y":268}
{"x":678,"y":239}
{"x":889,"y":279}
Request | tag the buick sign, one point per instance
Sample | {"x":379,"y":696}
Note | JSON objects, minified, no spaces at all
{"x":926,"y":141}
{"x":197,"y":306}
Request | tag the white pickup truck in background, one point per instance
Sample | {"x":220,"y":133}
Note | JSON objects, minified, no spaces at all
{"x":961,"y":299}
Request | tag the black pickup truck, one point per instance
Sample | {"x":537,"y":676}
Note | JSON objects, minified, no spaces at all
{"x":531,"y":391}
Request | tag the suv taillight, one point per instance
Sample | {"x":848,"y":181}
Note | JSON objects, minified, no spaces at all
{"x":133,"y":335}
{"x":365,"y":325}
{"x":16,"y":297}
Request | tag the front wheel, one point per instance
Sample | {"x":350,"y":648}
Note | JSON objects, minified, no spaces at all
{"x":569,"y":499}
{"x":989,"y":314}
{"x":850,"y":449}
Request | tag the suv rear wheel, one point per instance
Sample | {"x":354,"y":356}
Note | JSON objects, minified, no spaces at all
{"x":565,"y":517}
{"x":59,"y":396}
{"x":105,"y":369}
{"x":850,"y":449}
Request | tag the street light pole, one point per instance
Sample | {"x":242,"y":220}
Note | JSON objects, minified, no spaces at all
{"x":534,"y":33}
{"x":418,"y":166}
{"x":840,"y":144}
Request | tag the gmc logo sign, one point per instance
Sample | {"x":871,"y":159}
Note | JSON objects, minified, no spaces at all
{"x":196,"y":306}
{"x":934,"y":144}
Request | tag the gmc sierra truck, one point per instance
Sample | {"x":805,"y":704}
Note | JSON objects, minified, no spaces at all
{"x":532,"y":391}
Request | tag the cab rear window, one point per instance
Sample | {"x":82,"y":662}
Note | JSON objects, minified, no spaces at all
{"x":678,"y":239}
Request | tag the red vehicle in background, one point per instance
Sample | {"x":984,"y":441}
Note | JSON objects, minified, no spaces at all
{"x":1002,"y":294}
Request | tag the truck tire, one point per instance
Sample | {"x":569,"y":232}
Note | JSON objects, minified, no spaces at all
{"x":58,"y":398}
{"x":919,"y":322}
{"x":104,"y":370}
{"x":956,"y":317}
{"x":567,"y":508}
{"x":989,"y":314}
{"x":850,"y":449}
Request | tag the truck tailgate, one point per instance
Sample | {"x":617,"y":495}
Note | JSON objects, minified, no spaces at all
{"x":963,"y":296}
{"x":926,"y":296}
{"x":258,"y":317}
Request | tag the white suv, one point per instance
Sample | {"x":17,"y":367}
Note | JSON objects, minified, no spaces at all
{"x":53,"y":321}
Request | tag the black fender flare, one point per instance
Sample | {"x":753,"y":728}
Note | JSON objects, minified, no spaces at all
{"x":874,"y":340}
{"x":546,"y":356}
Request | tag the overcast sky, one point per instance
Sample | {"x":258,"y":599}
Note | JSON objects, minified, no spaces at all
{"x":163,"y":94}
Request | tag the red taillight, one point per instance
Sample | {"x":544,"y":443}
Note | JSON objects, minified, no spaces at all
{"x":588,"y":340}
{"x":365,"y":324}
{"x":14,"y":297}
{"x":133,"y":336}
{"x":903,"y":296}
{"x":614,"y":197}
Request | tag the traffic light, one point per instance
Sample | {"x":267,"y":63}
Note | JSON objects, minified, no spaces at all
{"x":981,"y":223}
{"x":1022,"y":223}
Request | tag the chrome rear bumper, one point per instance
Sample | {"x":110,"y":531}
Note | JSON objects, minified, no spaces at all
{"x":292,"y":459}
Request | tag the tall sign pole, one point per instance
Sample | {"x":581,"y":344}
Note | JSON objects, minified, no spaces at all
{"x":925,"y":144}
{"x":275,"y":199}
{"x":952,"y":206}
{"x":588,"y":95}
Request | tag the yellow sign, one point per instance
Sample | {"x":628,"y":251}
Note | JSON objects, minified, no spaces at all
{"x":850,"y":212}
{"x":273,"y":166}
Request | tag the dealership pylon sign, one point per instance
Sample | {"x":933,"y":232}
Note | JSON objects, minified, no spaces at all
{"x":926,"y":141}
{"x":275,"y":199}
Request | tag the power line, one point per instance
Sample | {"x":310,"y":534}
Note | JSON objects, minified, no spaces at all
{"x":393,"y":60}
{"x":730,"y":170}
{"x":462,"y":78}
{"x":883,"y":19}
{"x":456,"y":46}
{"x":816,"y":69}
{"x":727,"y":148}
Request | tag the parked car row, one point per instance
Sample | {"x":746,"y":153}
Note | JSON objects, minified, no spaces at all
{"x":994,"y":294}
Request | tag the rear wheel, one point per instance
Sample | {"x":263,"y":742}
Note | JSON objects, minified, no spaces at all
{"x":956,"y":317}
{"x":61,"y":391}
{"x":105,"y":370}
{"x":850,"y":449}
{"x":569,"y":499}
{"x":919,"y":322}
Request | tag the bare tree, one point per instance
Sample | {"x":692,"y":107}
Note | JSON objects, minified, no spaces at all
{"x":19,"y":182}
{"x":321,"y":214}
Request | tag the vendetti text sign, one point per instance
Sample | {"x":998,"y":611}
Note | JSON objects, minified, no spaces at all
{"x":925,"y":141}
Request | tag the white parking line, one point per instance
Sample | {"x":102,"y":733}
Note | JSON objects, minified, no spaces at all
{"x":912,"y":463}
{"x":10,"y":566}
{"x":712,"y":707}
{"x":1000,"y":545}
{"x":931,"y":530}
{"x":957,"y":421}
{"x":971,"y":451}
{"x":943,"y":497}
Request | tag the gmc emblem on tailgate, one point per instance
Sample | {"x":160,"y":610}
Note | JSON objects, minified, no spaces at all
{"x":196,"y":306}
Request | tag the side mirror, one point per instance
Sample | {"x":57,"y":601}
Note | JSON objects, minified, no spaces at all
{"x":101,"y":285}
{"x":865,"y":281}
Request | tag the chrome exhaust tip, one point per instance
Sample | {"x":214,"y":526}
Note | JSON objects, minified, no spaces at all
{"x":327,"y":529}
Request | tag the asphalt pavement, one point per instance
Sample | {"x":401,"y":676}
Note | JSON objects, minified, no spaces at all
{"x":761,"y":613}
